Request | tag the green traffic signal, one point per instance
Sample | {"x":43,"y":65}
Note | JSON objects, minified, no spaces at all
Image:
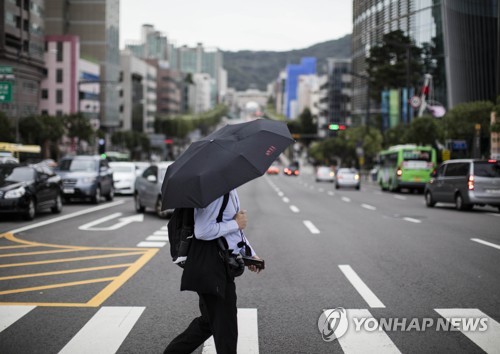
{"x":333,"y":127}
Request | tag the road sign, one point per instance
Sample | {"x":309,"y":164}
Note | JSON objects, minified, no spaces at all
{"x":415,"y":101}
{"x":6,"y":70}
{"x":5,"y":92}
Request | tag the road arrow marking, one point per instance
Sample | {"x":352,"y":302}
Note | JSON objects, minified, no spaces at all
{"x":122,"y":222}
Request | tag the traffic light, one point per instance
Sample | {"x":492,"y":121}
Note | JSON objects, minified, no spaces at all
{"x":102,"y":146}
{"x":335,"y":127}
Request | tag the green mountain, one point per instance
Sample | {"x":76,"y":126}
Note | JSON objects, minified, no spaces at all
{"x":249,"y":69}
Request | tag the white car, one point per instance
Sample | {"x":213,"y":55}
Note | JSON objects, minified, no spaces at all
{"x":347,"y":177}
{"x":124,"y":174}
{"x":325,"y":174}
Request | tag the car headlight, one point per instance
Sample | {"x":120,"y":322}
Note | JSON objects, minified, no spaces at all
{"x":15,"y":193}
{"x":87,"y":179}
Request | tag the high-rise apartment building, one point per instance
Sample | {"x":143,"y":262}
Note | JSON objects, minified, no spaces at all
{"x":21,"y":56}
{"x":339,"y":91}
{"x":153,"y":44}
{"x":460,"y":38}
{"x":96,"y":23}
{"x":307,"y":66}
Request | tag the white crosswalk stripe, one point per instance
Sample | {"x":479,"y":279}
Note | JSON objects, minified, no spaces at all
{"x":10,"y":314}
{"x":105,"y":331}
{"x":488,"y":340}
{"x":248,"y":336}
{"x":361,"y":341}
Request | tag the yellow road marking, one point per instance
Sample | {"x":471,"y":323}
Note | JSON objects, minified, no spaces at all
{"x":35,"y":253}
{"x":145,"y":255}
{"x":76,"y":259}
{"x":10,"y":247}
{"x":54,"y":286}
{"x":121,"y":279}
{"x":78,"y":270}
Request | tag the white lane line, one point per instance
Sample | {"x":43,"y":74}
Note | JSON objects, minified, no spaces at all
{"x":371,"y":299}
{"x":164,"y":228}
{"x":157,"y":238}
{"x":486,"y":243}
{"x":65,"y":217}
{"x":161,"y":232}
{"x":416,"y":221}
{"x":494,"y":214}
{"x":368,"y":206}
{"x":359,"y":340}
{"x":331,"y":193}
{"x":105,"y":331}
{"x":294,"y":209}
{"x":248,"y":334}
{"x":313,"y":229}
{"x":286,"y":200}
{"x":151,"y":244}
{"x":400,"y":197}
{"x":11,"y":314}
{"x":321,"y":190}
{"x":345,"y":199}
{"x":488,"y":340}
{"x":281,"y":194}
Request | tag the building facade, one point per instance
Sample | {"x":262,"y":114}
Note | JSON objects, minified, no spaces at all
{"x":459,"y":40}
{"x":339,"y":91}
{"x":307,"y":66}
{"x":96,"y":23}
{"x":138,"y":94}
{"x":21,"y":56}
{"x":169,"y":88}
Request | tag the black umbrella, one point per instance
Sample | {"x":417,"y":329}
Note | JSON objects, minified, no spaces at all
{"x":222,"y":161}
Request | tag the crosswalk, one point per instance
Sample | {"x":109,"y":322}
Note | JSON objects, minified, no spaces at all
{"x":108,"y":328}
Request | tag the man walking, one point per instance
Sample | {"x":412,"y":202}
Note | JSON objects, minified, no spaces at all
{"x":215,"y":287}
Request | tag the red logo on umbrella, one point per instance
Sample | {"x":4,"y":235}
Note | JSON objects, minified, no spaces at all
{"x":270,"y":150}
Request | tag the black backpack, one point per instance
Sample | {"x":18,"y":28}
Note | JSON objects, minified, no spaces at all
{"x":181,"y":231}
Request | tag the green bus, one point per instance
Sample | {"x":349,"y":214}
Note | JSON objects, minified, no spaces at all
{"x":406,"y":166}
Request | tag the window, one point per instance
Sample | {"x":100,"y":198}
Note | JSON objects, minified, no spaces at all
{"x":45,"y":94}
{"x":150,"y":171}
{"x":457,"y":170}
{"x":59,"y":113}
{"x":59,"y":51}
{"x":59,"y":96}
{"x":59,"y":75}
{"x":45,"y":112}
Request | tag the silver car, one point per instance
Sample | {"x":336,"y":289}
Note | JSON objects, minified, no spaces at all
{"x":148,"y":189}
{"x":347,"y":177}
{"x":465,"y":182}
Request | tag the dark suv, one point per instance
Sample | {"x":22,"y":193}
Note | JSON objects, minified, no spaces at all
{"x":86,"y":177}
{"x":465,"y":182}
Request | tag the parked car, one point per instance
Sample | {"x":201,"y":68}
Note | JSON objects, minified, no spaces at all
{"x":148,"y":189}
{"x":27,"y":189}
{"x":8,"y":159}
{"x":124,"y":175}
{"x":465,"y":182}
{"x":86,"y":177}
{"x":347,"y":177}
{"x":141,"y":166}
{"x":325,"y":174}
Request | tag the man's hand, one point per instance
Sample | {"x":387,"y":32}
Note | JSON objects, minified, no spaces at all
{"x":241,"y":219}
{"x":254,"y":268}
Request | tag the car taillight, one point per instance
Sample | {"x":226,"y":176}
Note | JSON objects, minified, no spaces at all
{"x":296,"y":173}
{"x":470,"y":183}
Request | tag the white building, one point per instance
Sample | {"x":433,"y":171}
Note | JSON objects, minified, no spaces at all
{"x":138,"y":94}
{"x":200,"y":93}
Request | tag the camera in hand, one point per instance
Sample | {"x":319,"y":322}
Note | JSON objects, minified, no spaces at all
{"x":259,"y":263}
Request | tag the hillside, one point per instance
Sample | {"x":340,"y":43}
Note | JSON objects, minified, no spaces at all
{"x":256,"y":69}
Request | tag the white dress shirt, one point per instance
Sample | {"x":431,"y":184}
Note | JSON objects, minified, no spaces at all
{"x":207,"y":228}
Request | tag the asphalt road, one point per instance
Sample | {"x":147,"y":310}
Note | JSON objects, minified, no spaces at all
{"x":83,"y":281}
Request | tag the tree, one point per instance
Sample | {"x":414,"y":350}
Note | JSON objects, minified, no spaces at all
{"x":5,"y":128}
{"x":460,"y":121}
{"x":424,"y":131}
{"x":78,"y":127}
{"x":42,"y":130}
{"x":387,"y":63}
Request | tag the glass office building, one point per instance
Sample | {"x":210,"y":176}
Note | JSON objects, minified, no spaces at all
{"x":459,"y":39}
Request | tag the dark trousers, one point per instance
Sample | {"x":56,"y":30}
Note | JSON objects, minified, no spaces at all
{"x":218,"y":318}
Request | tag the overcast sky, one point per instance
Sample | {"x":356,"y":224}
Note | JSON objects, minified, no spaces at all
{"x":231,"y":25}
